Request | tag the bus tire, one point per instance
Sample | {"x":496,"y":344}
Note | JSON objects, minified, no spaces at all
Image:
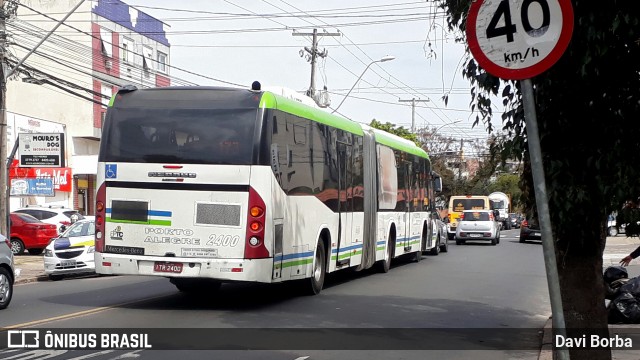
{"x":313,"y":285}
{"x":196,"y":286}
{"x":385,"y":264}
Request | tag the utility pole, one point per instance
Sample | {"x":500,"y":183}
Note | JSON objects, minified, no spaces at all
{"x":413,"y":111}
{"x":460,"y":163}
{"x":5,"y":12}
{"x":4,"y":170}
{"x":312,"y":54}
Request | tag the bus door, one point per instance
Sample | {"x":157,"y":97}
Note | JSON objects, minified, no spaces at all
{"x":345,"y":194}
{"x":404,"y":215}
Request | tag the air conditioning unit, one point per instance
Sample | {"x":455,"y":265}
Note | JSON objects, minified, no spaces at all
{"x":108,"y":63}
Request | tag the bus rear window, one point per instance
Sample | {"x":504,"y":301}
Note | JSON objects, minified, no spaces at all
{"x":468,"y":204}
{"x":189,"y":136}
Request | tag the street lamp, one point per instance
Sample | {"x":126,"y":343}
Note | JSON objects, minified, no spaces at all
{"x":386,"y":58}
{"x":451,"y":123}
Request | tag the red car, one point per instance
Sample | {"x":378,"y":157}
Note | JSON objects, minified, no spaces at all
{"x":29,"y":233}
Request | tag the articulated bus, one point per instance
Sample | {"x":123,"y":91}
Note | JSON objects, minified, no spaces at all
{"x":459,"y":203}
{"x":205,"y":185}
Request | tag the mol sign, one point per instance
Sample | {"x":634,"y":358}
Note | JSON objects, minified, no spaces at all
{"x":518,"y":39}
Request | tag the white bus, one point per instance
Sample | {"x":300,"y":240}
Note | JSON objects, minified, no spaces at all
{"x":207,"y":185}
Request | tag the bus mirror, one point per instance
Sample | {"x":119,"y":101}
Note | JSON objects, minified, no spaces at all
{"x":437,"y":184}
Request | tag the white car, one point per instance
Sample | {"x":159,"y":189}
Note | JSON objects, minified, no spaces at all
{"x":72,"y":252}
{"x":478,"y":225}
{"x":59,"y":216}
{"x":7,"y":276}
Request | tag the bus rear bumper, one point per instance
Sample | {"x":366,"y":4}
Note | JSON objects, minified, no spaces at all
{"x":256,"y":270}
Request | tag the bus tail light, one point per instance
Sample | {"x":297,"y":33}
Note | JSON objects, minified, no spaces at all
{"x":254,"y":246}
{"x":100,"y":217}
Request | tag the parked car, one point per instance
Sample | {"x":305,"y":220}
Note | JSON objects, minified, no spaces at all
{"x":478,"y":225}
{"x":516,"y":220}
{"x":7,"y":276}
{"x":438,"y":236}
{"x":612,"y":228}
{"x":72,"y":252}
{"x":530,"y":230}
{"x":60,"y":216}
{"x":29,"y":233}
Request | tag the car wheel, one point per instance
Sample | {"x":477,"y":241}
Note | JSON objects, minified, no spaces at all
{"x":612,"y":231}
{"x":6,"y":288}
{"x":17,"y":247}
{"x":498,"y":239}
{"x":435,"y":251}
{"x":445,"y":246}
{"x":494,"y":241}
{"x":35,"y":251}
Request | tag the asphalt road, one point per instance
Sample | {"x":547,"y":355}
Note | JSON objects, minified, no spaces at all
{"x":488,"y":289}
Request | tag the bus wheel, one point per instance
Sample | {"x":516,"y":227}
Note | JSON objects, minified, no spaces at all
{"x":315,"y":283}
{"x":385,"y":265}
{"x":196,"y":286}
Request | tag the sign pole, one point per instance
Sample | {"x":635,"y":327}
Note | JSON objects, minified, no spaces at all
{"x":548,"y":248}
{"x":514,"y":40}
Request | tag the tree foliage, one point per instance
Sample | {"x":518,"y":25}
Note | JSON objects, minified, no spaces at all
{"x":587,"y":107}
{"x":396,"y":130}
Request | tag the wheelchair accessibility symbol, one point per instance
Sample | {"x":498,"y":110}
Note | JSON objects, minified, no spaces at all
{"x":111,"y":171}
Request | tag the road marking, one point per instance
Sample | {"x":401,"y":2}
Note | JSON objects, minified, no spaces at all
{"x":82,"y":357}
{"x":129,"y":355}
{"x":79,"y":313}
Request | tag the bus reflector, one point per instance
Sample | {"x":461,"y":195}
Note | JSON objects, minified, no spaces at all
{"x":236,"y":269}
{"x":254,"y":244}
{"x":100,"y":217}
{"x":105,"y":263}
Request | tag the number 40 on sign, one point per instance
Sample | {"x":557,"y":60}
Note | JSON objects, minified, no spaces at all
{"x":518,"y":39}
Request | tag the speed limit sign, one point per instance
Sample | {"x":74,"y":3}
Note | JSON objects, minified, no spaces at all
{"x":518,"y":39}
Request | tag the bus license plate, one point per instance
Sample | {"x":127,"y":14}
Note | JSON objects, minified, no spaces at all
{"x":167,"y":267}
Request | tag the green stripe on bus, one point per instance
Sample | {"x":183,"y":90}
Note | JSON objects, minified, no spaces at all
{"x":347,"y":255}
{"x":273,"y":101}
{"x":297,"y":262}
{"x":399,"y":144}
{"x":150,"y":222}
{"x":112,"y":100}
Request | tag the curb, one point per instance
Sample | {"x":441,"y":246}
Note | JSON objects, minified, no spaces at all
{"x":27,"y":280}
{"x":546,"y":348}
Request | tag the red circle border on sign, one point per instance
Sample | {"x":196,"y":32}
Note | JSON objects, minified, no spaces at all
{"x":528,"y":72}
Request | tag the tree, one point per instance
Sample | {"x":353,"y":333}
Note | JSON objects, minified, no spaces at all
{"x":587,"y":106}
{"x":396,"y":130}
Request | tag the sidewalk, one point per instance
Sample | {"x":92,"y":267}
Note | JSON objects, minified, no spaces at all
{"x":29,"y":268}
{"x":615,"y":249}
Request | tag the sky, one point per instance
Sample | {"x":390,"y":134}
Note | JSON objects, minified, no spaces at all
{"x":241,"y":41}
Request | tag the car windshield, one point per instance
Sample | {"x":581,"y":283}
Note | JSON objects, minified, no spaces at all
{"x":83,"y":228}
{"x":476,"y":216}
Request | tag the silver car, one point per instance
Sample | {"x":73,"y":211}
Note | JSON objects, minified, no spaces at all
{"x":6,"y":272}
{"x":478,"y":225}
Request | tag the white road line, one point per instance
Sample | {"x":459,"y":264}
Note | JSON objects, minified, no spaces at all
{"x":129,"y":355}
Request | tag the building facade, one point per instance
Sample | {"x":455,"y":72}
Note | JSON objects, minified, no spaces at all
{"x":65,"y":85}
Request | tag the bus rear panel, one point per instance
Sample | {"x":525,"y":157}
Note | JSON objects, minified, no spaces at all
{"x":181,"y":190}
